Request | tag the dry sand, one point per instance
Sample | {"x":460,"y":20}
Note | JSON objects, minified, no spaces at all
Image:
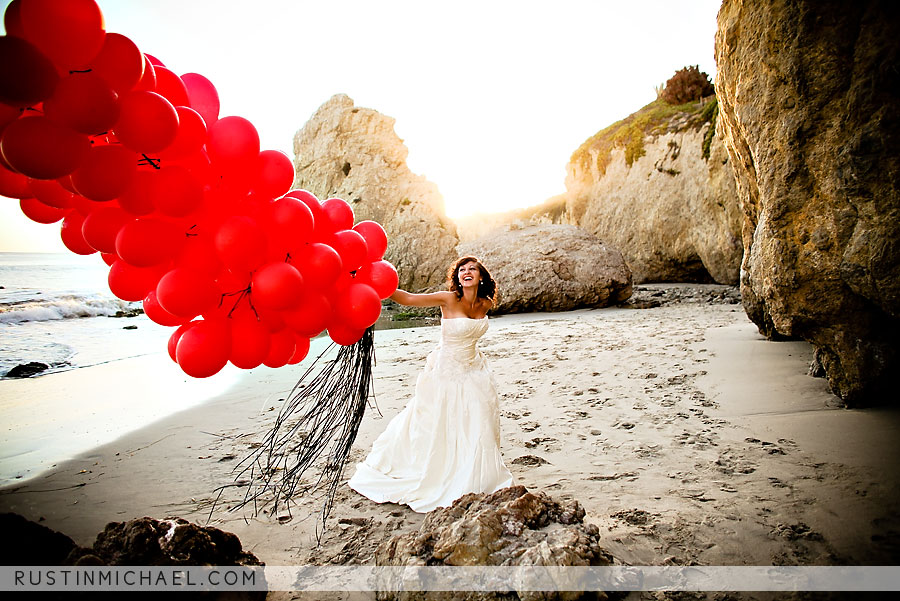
{"x":687,"y":437}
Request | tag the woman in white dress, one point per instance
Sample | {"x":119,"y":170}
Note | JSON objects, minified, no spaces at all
{"x":446,"y":441}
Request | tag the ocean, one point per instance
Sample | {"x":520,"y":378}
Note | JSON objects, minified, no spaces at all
{"x":57,"y":309}
{"x":107,"y":375}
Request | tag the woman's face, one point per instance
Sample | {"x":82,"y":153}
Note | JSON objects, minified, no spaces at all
{"x":468,"y":274}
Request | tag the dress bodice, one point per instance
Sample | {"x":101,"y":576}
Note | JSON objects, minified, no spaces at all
{"x":459,"y":336}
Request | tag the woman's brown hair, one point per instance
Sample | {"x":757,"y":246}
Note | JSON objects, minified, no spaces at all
{"x":487,"y":287}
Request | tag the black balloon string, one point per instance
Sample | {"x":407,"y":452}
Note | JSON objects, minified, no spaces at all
{"x":320,"y":419}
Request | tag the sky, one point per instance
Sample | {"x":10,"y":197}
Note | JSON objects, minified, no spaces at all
{"x":490,"y":97}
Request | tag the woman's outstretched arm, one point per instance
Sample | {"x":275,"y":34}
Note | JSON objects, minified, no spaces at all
{"x":432,"y":299}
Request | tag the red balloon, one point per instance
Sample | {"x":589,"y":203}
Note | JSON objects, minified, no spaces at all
{"x":70,"y":33}
{"x":14,"y":185}
{"x":12,"y":19}
{"x":147,"y":81}
{"x":358,"y":307}
{"x":233,"y":141}
{"x":344,"y":335}
{"x":66,"y":182}
{"x":43,"y":149}
{"x":320,"y":265}
{"x":241,"y":244}
{"x":381,"y":276}
{"x":301,"y":350}
{"x":290,"y":223}
{"x":154,"y":311}
{"x":171,"y":87}
{"x":27,"y":76}
{"x":147,"y":122}
{"x":351,"y":246}
{"x":101,"y":227}
{"x":338,"y":214}
{"x":85,"y":206}
{"x":8,"y":114}
{"x":106,"y":172}
{"x":119,"y":62}
{"x":132,"y":283}
{"x":199,"y":254}
{"x":71,"y":235}
{"x":250,"y":342}
{"x":276,"y":286}
{"x":281,"y":349}
{"x":176,"y":192}
{"x":50,"y":192}
{"x":191,"y":135}
{"x":187,"y":293}
{"x":203,"y":96}
{"x":203,"y":349}
{"x":146,"y":242}
{"x":312,"y":203}
{"x":175,"y":337}
{"x":85,"y":102}
{"x":38,"y":212}
{"x":109,"y":258}
{"x":376,"y":238}
{"x":275,"y":173}
{"x":310,"y":316}
{"x":137,"y":199}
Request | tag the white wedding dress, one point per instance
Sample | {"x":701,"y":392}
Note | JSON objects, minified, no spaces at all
{"x":446,"y":441}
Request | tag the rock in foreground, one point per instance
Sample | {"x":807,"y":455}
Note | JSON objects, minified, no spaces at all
{"x":140,"y":542}
{"x":511,"y":527}
{"x":551,"y":268}
{"x":809,"y":97}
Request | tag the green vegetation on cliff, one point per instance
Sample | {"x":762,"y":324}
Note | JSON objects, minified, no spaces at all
{"x":654,"y":119}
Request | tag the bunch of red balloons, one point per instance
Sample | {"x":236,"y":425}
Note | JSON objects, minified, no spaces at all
{"x":191,"y":217}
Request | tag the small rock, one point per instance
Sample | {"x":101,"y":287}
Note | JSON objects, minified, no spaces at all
{"x":26,"y":370}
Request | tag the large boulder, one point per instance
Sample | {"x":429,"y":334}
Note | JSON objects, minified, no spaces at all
{"x":353,"y":153}
{"x":809,"y":107}
{"x":550,"y":267}
{"x":511,"y":527}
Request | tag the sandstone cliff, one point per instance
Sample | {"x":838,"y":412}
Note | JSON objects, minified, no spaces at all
{"x":810,"y":109}
{"x":353,"y":153}
{"x":658,"y":187}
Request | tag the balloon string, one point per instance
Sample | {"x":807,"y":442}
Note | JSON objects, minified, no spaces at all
{"x":80,"y":71}
{"x":241,"y":294}
{"x":149,"y":161}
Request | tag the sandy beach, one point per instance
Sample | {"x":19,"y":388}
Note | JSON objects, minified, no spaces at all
{"x":687,"y":437}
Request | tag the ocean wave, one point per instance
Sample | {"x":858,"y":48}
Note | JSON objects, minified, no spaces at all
{"x":64,"y":307}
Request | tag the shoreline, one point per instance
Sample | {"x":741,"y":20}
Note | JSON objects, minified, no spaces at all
{"x":687,"y":438}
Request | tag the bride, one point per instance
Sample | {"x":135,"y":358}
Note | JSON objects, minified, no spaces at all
{"x":446,"y":441}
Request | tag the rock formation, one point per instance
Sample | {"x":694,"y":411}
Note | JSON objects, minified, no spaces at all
{"x":809,"y":98}
{"x":658,"y":187}
{"x":672,"y":213}
{"x":550,"y":268}
{"x":511,"y":527}
{"x":353,"y":153}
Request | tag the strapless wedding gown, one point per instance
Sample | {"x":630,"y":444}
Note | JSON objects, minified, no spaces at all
{"x":446,"y":441}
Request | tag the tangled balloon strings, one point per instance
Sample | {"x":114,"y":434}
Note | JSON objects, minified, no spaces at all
{"x":323,"y":413}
